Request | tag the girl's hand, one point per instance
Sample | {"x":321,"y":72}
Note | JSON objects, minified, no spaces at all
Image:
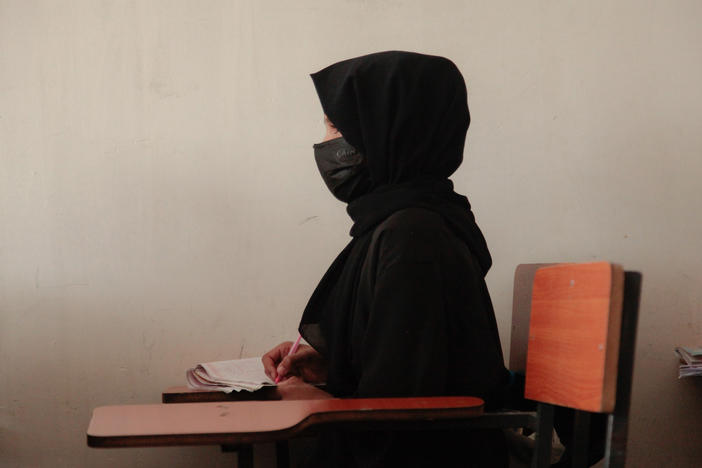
{"x":306,"y":363}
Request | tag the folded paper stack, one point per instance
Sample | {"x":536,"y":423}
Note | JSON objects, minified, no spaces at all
{"x":229,"y":376}
{"x":690,"y":361}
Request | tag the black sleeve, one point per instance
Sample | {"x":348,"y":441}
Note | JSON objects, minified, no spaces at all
{"x":405,"y":346}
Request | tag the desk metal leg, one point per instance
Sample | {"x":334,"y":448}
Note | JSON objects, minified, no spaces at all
{"x":245,"y":456}
{"x":282,"y":454}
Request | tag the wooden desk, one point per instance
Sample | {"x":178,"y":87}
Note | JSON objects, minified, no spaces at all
{"x":184,"y":394}
{"x":237,"y":423}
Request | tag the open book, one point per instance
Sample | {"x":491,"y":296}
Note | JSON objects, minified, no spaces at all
{"x":228,"y":376}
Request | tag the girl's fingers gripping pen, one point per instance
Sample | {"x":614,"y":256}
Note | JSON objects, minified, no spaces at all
{"x":292,"y":351}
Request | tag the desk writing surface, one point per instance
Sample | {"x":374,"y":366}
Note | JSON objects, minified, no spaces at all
{"x":257,"y":421}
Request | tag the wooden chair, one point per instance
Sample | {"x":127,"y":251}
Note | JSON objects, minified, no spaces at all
{"x":573,"y":334}
{"x":578,"y":322}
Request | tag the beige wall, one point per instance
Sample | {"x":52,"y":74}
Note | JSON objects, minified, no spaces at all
{"x":159,"y":204}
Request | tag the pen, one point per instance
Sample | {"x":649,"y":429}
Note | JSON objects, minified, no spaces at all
{"x":292,"y":351}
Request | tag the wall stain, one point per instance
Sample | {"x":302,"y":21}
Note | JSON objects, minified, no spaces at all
{"x":309,"y":218}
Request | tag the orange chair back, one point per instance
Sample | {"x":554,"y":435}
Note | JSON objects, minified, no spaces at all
{"x":574,"y":332}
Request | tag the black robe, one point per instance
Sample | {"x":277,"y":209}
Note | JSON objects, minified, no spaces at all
{"x":404,"y":309}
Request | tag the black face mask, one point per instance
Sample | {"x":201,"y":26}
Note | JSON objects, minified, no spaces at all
{"x":343,"y":169}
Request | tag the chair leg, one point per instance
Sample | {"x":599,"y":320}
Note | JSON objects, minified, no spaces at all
{"x":581,"y":439}
{"x":615,"y":451}
{"x":544,"y":437}
{"x":618,"y":422}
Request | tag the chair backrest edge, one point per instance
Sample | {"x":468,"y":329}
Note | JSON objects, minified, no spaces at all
{"x":521,"y":311}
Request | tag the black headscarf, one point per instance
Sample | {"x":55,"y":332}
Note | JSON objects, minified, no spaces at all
{"x":408,"y":114}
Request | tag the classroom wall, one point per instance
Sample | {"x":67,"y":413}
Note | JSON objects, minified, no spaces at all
{"x":160,"y":206}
